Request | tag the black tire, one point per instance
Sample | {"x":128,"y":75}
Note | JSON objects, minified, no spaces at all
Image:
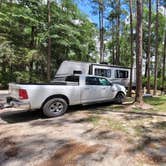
{"x":55,"y":107}
{"x":119,"y":99}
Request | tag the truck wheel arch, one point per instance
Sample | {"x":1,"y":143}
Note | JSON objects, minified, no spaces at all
{"x":116,"y":99}
{"x":121,"y":93}
{"x":56,"y":96}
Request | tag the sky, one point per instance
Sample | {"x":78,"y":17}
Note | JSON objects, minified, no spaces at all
{"x":87,"y":9}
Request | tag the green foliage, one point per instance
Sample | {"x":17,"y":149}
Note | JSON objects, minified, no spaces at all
{"x":159,"y":80}
{"x":125,"y":54}
{"x":24,"y":36}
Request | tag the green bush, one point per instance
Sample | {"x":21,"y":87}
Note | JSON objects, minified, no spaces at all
{"x":159,"y":82}
{"x":5,"y":78}
{"x":24,"y":77}
{"x":19,"y":77}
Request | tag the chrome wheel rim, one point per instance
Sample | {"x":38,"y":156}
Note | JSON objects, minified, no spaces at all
{"x":56,"y":107}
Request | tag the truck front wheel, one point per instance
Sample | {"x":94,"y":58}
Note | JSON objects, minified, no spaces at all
{"x":55,"y":107}
{"x":119,"y":98}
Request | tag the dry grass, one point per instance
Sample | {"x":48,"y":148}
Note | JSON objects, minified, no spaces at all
{"x":68,"y":154}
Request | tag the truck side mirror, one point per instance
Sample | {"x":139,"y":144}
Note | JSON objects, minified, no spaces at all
{"x":111,"y":84}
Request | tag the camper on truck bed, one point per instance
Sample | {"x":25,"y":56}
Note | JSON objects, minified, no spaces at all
{"x":116,"y":74}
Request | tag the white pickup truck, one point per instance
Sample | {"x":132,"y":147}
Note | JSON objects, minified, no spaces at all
{"x":55,"y":97}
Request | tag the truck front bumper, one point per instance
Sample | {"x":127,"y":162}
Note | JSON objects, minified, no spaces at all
{"x":12,"y":102}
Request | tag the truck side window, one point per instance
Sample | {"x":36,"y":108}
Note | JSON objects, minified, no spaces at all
{"x":121,"y":74}
{"x":92,"y":81}
{"x":104,"y":82}
{"x":97,"y":81}
{"x":72,"y":79}
{"x":103,"y":72}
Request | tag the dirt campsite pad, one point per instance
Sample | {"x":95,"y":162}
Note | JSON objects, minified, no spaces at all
{"x":103,"y":134}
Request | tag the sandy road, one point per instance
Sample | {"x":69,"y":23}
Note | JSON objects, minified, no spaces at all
{"x":92,"y":135}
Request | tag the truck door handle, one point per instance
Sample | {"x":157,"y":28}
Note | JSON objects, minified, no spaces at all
{"x":103,"y":88}
{"x":86,"y":88}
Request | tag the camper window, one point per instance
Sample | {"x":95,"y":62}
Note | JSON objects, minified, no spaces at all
{"x":121,"y":74}
{"x":103,"y":72}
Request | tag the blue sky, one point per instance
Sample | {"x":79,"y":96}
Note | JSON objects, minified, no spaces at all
{"x":87,"y":9}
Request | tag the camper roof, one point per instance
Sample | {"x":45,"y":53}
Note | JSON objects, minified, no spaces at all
{"x":99,"y":64}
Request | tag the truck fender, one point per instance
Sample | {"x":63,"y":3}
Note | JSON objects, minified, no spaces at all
{"x":56,"y":96}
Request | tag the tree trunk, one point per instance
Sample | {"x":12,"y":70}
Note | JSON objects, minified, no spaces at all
{"x":146,"y":65}
{"x":32,"y":42}
{"x":101,"y":10}
{"x":131,"y":47}
{"x":113,"y":55}
{"x":113,"y":44}
{"x":156,"y":51}
{"x":49,"y":44}
{"x":102,"y":33}
{"x":139,"y":53}
{"x":0,"y":3}
{"x":149,"y":45}
{"x":163,"y":72}
{"x":32,"y":46}
{"x":30,"y":71}
{"x":118,"y":33}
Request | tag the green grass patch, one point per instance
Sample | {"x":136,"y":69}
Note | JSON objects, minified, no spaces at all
{"x":94,"y":119}
{"x":117,"y":107}
{"x":139,"y":130}
{"x":159,"y":103}
{"x":137,"y":109}
{"x":115,"y":125}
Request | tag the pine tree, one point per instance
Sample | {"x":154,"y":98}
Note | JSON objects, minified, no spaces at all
{"x":156,"y":50}
{"x":131,"y":46}
{"x":139,"y":53}
{"x":148,"y":51}
{"x":49,"y":43}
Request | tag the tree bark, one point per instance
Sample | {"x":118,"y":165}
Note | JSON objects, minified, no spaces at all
{"x":149,"y":45}
{"x":146,"y":67}
{"x":101,"y":15}
{"x":138,"y":97}
{"x":49,"y":44}
{"x":0,"y":3}
{"x":163,"y":72}
{"x":113,"y":55}
{"x":118,"y":34}
{"x":131,"y":47}
{"x":156,"y":51}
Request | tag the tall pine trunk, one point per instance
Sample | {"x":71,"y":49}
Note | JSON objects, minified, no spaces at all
{"x":118,"y":33}
{"x":138,"y":97}
{"x":149,"y":45}
{"x":32,"y":46}
{"x":131,"y":47}
{"x":156,"y":51}
{"x":163,"y":72}
{"x":101,"y":17}
{"x":49,"y":44}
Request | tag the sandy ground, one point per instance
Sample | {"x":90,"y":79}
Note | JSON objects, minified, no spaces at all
{"x":103,"y":134}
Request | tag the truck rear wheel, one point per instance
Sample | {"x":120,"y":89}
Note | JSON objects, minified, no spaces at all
{"x":55,"y":107}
